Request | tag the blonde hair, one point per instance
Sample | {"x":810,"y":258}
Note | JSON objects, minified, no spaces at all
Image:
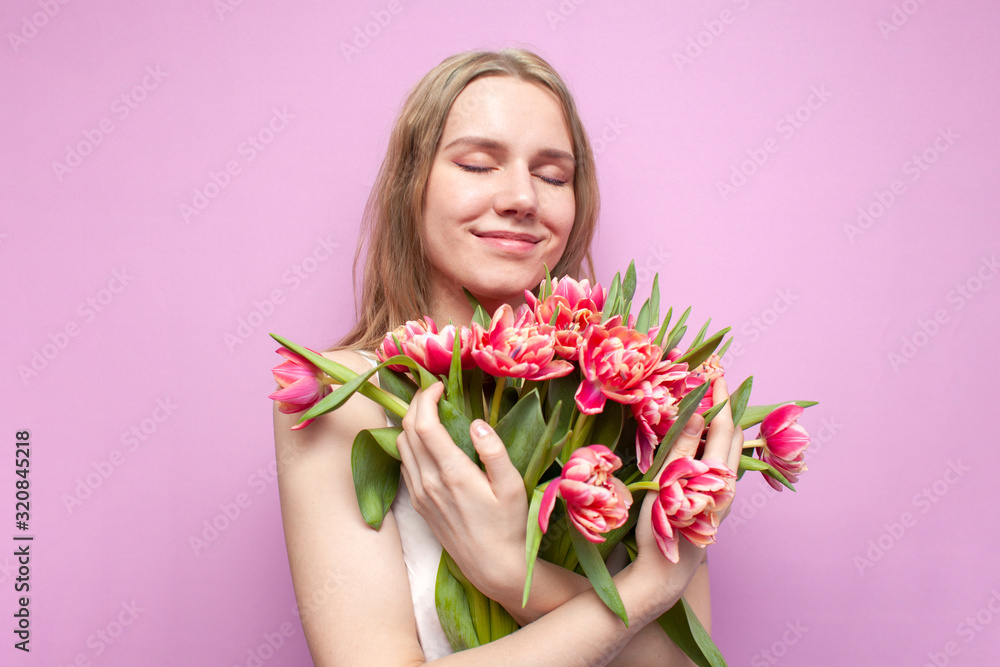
{"x":394,"y":287}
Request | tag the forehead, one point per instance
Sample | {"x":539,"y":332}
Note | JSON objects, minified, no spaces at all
{"x":510,"y":110}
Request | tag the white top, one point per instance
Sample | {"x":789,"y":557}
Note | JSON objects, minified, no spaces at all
{"x":422,"y":555}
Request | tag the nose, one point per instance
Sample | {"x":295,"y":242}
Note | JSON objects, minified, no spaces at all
{"x":516,"y":196}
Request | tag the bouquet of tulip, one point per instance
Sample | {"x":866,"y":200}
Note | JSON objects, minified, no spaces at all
{"x":588,"y":399}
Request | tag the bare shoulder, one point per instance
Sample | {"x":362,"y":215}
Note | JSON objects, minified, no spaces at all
{"x":350,"y":580}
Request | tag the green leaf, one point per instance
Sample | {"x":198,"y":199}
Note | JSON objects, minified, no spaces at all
{"x":628,"y":286}
{"x":696,"y":355}
{"x":501,"y":622}
{"x":386,"y":439}
{"x":725,"y":347}
{"x":614,"y":296}
{"x":665,"y":325}
{"x":521,"y":429}
{"x":677,"y":333}
{"x":608,"y":425}
{"x":376,"y":478}
{"x":455,"y":393}
{"x":709,"y":414}
{"x":750,"y":463}
{"x":473,"y":301}
{"x":687,"y":632}
{"x":755,"y":413}
{"x":563,"y":390}
{"x":546,"y":290}
{"x":675,"y":338}
{"x":475,"y":394}
{"x":453,"y":609}
{"x":533,"y":541}
{"x":479,"y":604}
{"x":654,"y":301}
{"x":685,"y":409}
{"x":642,"y":320}
{"x":482,"y":318}
{"x":701,"y":333}
{"x":738,"y":399}
{"x":457,"y":424}
{"x":540,"y":458}
{"x":597,"y":571}
{"x":397,"y":384}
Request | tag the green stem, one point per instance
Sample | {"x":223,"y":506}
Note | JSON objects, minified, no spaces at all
{"x":390,"y":402}
{"x":749,"y":444}
{"x":497,"y":396}
{"x":648,"y":486}
{"x":581,"y":431}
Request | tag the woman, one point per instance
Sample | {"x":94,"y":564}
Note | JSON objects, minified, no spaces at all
{"x":489,"y":177}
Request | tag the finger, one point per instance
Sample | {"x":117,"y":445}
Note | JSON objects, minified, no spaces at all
{"x":503,"y":476}
{"x":736,"y":450}
{"x":412,"y":479}
{"x":719,"y":443}
{"x":687,"y":442}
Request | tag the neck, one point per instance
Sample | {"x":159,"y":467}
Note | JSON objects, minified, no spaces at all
{"x":452,"y":306}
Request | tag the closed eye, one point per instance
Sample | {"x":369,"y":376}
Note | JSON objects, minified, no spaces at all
{"x":480,"y":170}
{"x":469,"y":167}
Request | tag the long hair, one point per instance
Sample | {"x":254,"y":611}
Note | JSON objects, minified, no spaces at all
{"x":395,"y":286}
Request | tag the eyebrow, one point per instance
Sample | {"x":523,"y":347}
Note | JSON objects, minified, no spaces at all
{"x":492,"y":144}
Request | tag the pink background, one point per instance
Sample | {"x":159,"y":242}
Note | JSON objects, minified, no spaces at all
{"x":147,"y":327}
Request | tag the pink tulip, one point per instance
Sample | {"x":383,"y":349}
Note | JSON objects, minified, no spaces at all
{"x":656,"y":411}
{"x":709,"y":371}
{"x":596,"y":500}
{"x":692,"y":492}
{"x":785,"y":443}
{"x":301,"y":385}
{"x":575,"y":307}
{"x":421,"y":341}
{"x":614,"y":360}
{"x":517,"y":346}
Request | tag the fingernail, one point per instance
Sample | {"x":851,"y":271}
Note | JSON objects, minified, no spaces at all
{"x":480,"y":428}
{"x":692,"y":427}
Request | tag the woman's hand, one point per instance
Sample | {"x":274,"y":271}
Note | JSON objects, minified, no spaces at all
{"x":478,"y":518}
{"x":725,"y":443}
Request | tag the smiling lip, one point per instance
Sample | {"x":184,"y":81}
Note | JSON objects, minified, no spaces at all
{"x":508,"y":241}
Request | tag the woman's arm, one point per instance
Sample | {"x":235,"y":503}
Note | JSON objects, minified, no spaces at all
{"x":350,"y":581}
{"x":351,"y":584}
{"x":473,"y":515}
